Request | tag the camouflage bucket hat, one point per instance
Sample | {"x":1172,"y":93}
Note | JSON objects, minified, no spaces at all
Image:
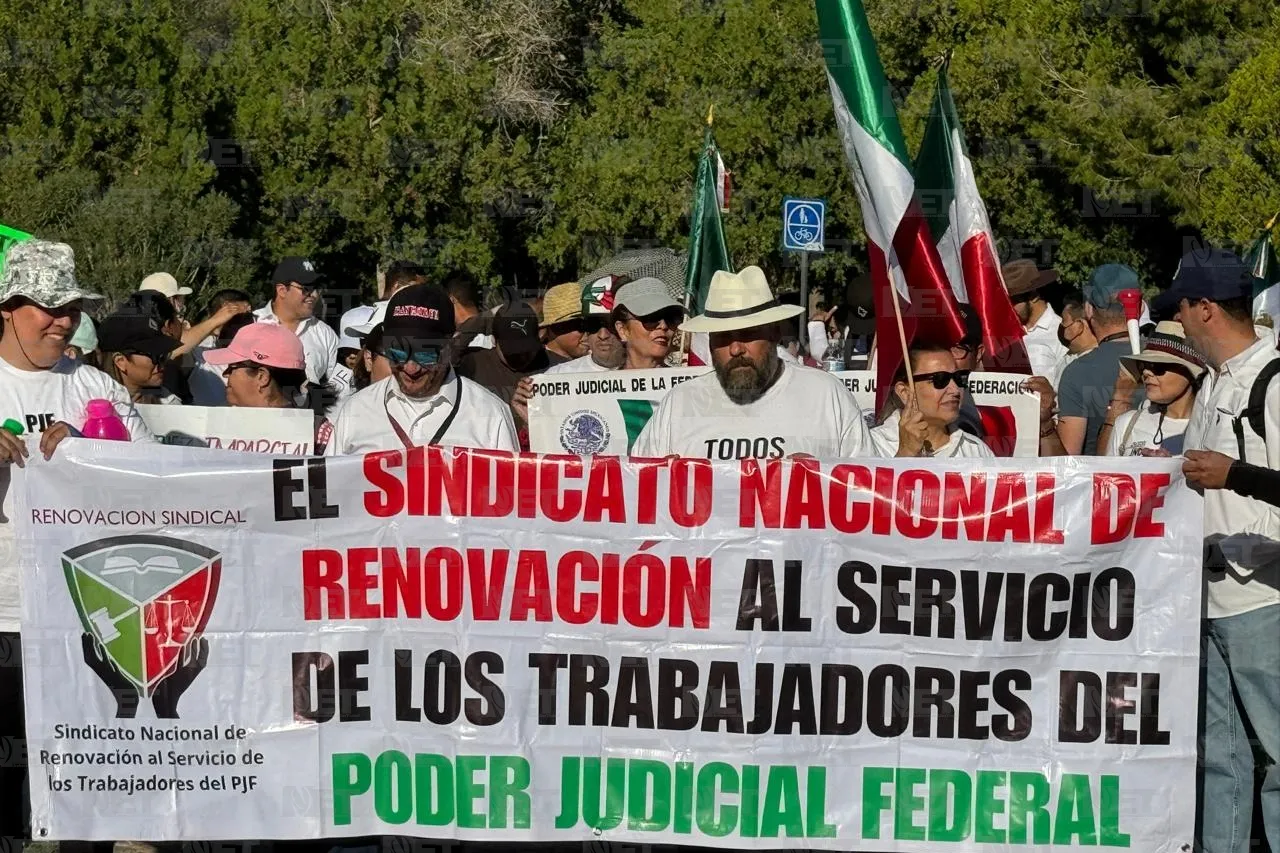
{"x":43,"y":272}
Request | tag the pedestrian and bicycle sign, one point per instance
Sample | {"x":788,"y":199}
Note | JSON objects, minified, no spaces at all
{"x":803,"y":224}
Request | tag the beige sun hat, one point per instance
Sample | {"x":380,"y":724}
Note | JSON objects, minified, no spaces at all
{"x":739,"y":301}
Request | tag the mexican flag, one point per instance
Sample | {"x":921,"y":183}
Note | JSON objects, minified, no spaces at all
{"x":903,"y":256}
{"x":1262,"y":262}
{"x":707,"y":250}
{"x":957,"y":218}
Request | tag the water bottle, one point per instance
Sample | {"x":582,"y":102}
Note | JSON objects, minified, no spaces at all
{"x":833,"y":358}
{"x":103,"y":422}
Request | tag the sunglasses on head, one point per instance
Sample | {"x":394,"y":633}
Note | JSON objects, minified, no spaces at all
{"x":423,"y":357}
{"x":942,"y":378}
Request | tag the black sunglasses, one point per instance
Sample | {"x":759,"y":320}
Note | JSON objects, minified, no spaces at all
{"x":592,"y":325}
{"x":673,"y":318}
{"x":158,"y":360}
{"x":307,"y":289}
{"x":1158,"y":368}
{"x":942,"y":378}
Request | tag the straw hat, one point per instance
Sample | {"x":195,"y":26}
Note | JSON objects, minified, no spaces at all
{"x":1166,"y":345}
{"x":561,"y":303}
{"x":739,"y":301}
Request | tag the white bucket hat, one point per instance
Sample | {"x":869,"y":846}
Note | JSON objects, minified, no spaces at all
{"x":739,"y":301}
{"x":162,"y":282}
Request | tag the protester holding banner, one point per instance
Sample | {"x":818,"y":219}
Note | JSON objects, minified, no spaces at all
{"x":41,"y":392}
{"x":423,"y":401}
{"x":561,"y":325}
{"x":1170,"y":372}
{"x":134,"y":353}
{"x":926,"y":410}
{"x":1087,"y":385}
{"x":754,"y":404}
{"x":646,"y":318}
{"x":1039,"y":321}
{"x":1236,"y":417}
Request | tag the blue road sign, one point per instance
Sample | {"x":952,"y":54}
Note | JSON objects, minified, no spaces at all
{"x":803,"y":224}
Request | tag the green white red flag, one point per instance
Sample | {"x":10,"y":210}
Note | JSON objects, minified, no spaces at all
{"x":902,"y":252}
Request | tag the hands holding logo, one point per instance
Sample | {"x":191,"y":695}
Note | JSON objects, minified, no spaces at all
{"x":164,"y":699}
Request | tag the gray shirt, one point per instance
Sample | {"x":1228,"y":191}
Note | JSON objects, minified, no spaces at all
{"x":1087,"y":385}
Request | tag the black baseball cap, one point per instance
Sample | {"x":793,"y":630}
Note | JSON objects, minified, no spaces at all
{"x":134,"y":332}
{"x":301,"y":270}
{"x":515,"y":330}
{"x":422,"y":314}
{"x":1214,"y":274}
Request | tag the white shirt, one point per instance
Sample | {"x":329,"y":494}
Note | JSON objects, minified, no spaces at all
{"x":583,"y":364}
{"x":1043,"y":347}
{"x":1147,"y":424}
{"x":363,"y":424}
{"x":38,"y":399}
{"x":319,"y":344}
{"x":961,"y":443}
{"x":806,"y":411}
{"x":1244,"y":531}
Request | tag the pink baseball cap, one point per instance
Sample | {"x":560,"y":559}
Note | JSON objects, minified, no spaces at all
{"x":268,"y":344}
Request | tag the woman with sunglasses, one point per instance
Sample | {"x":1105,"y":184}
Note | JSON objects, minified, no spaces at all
{"x":646,"y":319}
{"x":923,"y":422}
{"x":1170,"y":371}
{"x":134,"y":353}
{"x":264,"y":365}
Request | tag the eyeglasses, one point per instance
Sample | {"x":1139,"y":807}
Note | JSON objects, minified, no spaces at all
{"x":593,"y":325}
{"x":942,"y":378}
{"x":963,"y":348}
{"x":307,"y":289}
{"x":424,"y":357}
{"x":241,"y":365}
{"x":1156,"y":369}
{"x":672,"y":317}
{"x":158,"y":360}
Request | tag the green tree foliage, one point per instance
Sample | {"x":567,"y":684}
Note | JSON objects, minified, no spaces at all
{"x":532,"y":138}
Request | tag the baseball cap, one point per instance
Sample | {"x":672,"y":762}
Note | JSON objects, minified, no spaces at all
{"x":268,"y":344}
{"x":1106,"y":282}
{"x":359,"y":330}
{"x":597,"y":297}
{"x":134,"y":332}
{"x":1216,"y":275}
{"x":86,"y":336}
{"x":645,"y":296}
{"x":348,"y":336}
{"x":860,"y":297}
{"x":515,"y":330}
{"x":162,"y":282}
{"x":296,"y":269}
{"x":43,"y":272}
{"x":420,"y":312}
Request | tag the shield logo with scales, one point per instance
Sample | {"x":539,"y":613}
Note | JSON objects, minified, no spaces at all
{"x":143,"y":598}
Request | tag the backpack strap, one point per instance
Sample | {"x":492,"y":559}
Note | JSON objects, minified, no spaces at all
{"x":1255,"y":411}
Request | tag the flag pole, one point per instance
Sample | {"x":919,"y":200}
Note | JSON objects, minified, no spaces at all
{"x":685,"y":337}
{"x":906,"y":356}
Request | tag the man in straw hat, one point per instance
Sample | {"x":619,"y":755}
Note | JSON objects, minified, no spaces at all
{"x":1040,"y":322}
{"x":754,"y":404}
{"x":561,"y":326}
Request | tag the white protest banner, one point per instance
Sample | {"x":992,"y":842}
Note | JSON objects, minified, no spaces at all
{"x":279,"y":432}
{"x":591,"y":413}
{"x":882,"y":656}
{"x":598,"y":413}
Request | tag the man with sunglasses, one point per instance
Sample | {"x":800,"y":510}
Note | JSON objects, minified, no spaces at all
{"x":645,"y":318}
{"x":47,"y":395}
{"x":293,"y":305}
{"x":604,"y":348}
{"x":424,"y":401}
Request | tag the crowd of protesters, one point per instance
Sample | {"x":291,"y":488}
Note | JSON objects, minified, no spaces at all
{"x":427,"y":364}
